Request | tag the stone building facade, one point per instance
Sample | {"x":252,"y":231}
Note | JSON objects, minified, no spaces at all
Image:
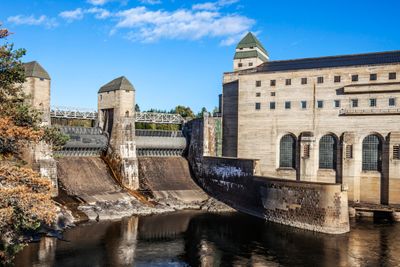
{"x":329,"y":119}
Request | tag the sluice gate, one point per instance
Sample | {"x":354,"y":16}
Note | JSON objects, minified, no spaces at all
{"x":83,"y":141}
{"x":156,"y":143}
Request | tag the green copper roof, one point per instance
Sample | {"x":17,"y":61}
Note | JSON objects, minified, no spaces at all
{"x":251,"y":41}
{"x":250,"y":54}
{"x":33,"y":69}
{"x":120,"y":83}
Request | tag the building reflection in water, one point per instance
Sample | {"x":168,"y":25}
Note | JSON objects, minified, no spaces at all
{"x":201,"y":239}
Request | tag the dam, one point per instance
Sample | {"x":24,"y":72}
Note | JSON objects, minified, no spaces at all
{"x":113,"y":170}
{"x":107,"y":161}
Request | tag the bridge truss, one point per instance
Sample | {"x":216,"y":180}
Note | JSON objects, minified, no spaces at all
{"x":145,"y":117}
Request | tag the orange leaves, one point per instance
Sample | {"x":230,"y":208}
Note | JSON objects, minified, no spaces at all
{"x":8,"y":130}
{"x":25,"y":199}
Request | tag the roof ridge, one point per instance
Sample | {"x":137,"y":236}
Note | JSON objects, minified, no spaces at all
{"x":335,"y":56}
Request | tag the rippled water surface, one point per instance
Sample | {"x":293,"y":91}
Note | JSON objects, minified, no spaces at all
{"x":201,"y":239}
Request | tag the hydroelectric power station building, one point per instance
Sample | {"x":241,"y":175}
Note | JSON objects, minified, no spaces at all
{"x":329,"y":119}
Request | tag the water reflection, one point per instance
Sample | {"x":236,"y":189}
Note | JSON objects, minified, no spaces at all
{"x":200,"y":239}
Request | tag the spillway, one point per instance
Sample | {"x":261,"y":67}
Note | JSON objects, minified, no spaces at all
{"x":169,"y":177}
{"x":88,"y":178}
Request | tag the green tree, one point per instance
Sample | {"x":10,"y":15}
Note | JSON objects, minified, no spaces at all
{"x":137,"y":108}
{"x":185,"y":112}
{"x":201,"y":113}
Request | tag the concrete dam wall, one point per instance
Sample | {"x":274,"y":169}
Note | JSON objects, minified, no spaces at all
{"x":169,"y":177}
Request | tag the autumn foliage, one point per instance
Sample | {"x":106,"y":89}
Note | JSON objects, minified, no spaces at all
{"x":25,"y":196}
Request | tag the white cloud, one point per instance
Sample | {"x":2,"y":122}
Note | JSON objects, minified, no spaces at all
{"x":98,"y":2}
{"x":150,"y":26}
{"x":103,"y":2}
{"x":71,"y":15}
{"x":150,"y":2}
{"x":100,"y":13}
{"x":212,"y":6}
{"x":33,"y":21}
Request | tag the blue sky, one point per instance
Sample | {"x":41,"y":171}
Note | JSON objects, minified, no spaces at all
{"x":175,"y":52}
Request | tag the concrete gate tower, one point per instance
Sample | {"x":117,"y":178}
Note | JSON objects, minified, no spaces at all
{"x":116,"y":102}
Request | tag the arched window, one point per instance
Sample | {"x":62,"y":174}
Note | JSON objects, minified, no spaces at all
{"x":371,"y":153}
{"x":287,"y":151}
{"x":127,"y":114}
{"x":327,"y":152}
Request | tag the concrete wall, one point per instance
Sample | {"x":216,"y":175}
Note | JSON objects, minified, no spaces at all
{"x":230,"y":119}
{"x":313,"y":206}
{"x":309,"y":205}
{"x":39,"y":91}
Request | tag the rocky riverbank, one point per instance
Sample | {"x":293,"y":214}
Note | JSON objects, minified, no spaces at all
{"x":73,"y":210}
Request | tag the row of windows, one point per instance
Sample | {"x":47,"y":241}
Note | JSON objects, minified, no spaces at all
{"x":328,"y":146}
{"x":336,"y":103}
{"x":336,"y":79}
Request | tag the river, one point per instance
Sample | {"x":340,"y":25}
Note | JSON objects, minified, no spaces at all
{"x":202,"y":239}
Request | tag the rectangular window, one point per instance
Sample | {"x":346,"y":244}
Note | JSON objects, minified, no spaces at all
{"x":287,"y":105}
{"x":258,"y":106}
{"x":258,"y":83}
{"x":392,"y":76}
{"x":354,"y":103}
{"x":349,"y":151}
{"x":288,"y":82}
{"x":303,"y":80}
{"x":272,"y":93}
{"x":250,"y":64}
{"x":354,"y":78}
{"x":303,"y":104}
{"x":240,"y":65}
{"x":337,"y":103}
{"x":42,"y":79}
{"x":372,"y":102}
{"x":271,"y":105}
{"x":320,"y":79}
{"x":272,"y":82}
{"x":336,"y":79}
{"x":392,"y":102}
{"x":373,"y":77}
{"x":258,"y":94}
{"x":396,"y":152}
{"x":320,"y":104}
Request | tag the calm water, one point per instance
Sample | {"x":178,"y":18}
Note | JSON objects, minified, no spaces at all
{"x":201,"y":239}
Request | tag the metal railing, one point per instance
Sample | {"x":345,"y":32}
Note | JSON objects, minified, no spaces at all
{"x":88,"y":114}
{"x":72,"y":113}
{"x":159,"y":118}
{"x":158,"y":133}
